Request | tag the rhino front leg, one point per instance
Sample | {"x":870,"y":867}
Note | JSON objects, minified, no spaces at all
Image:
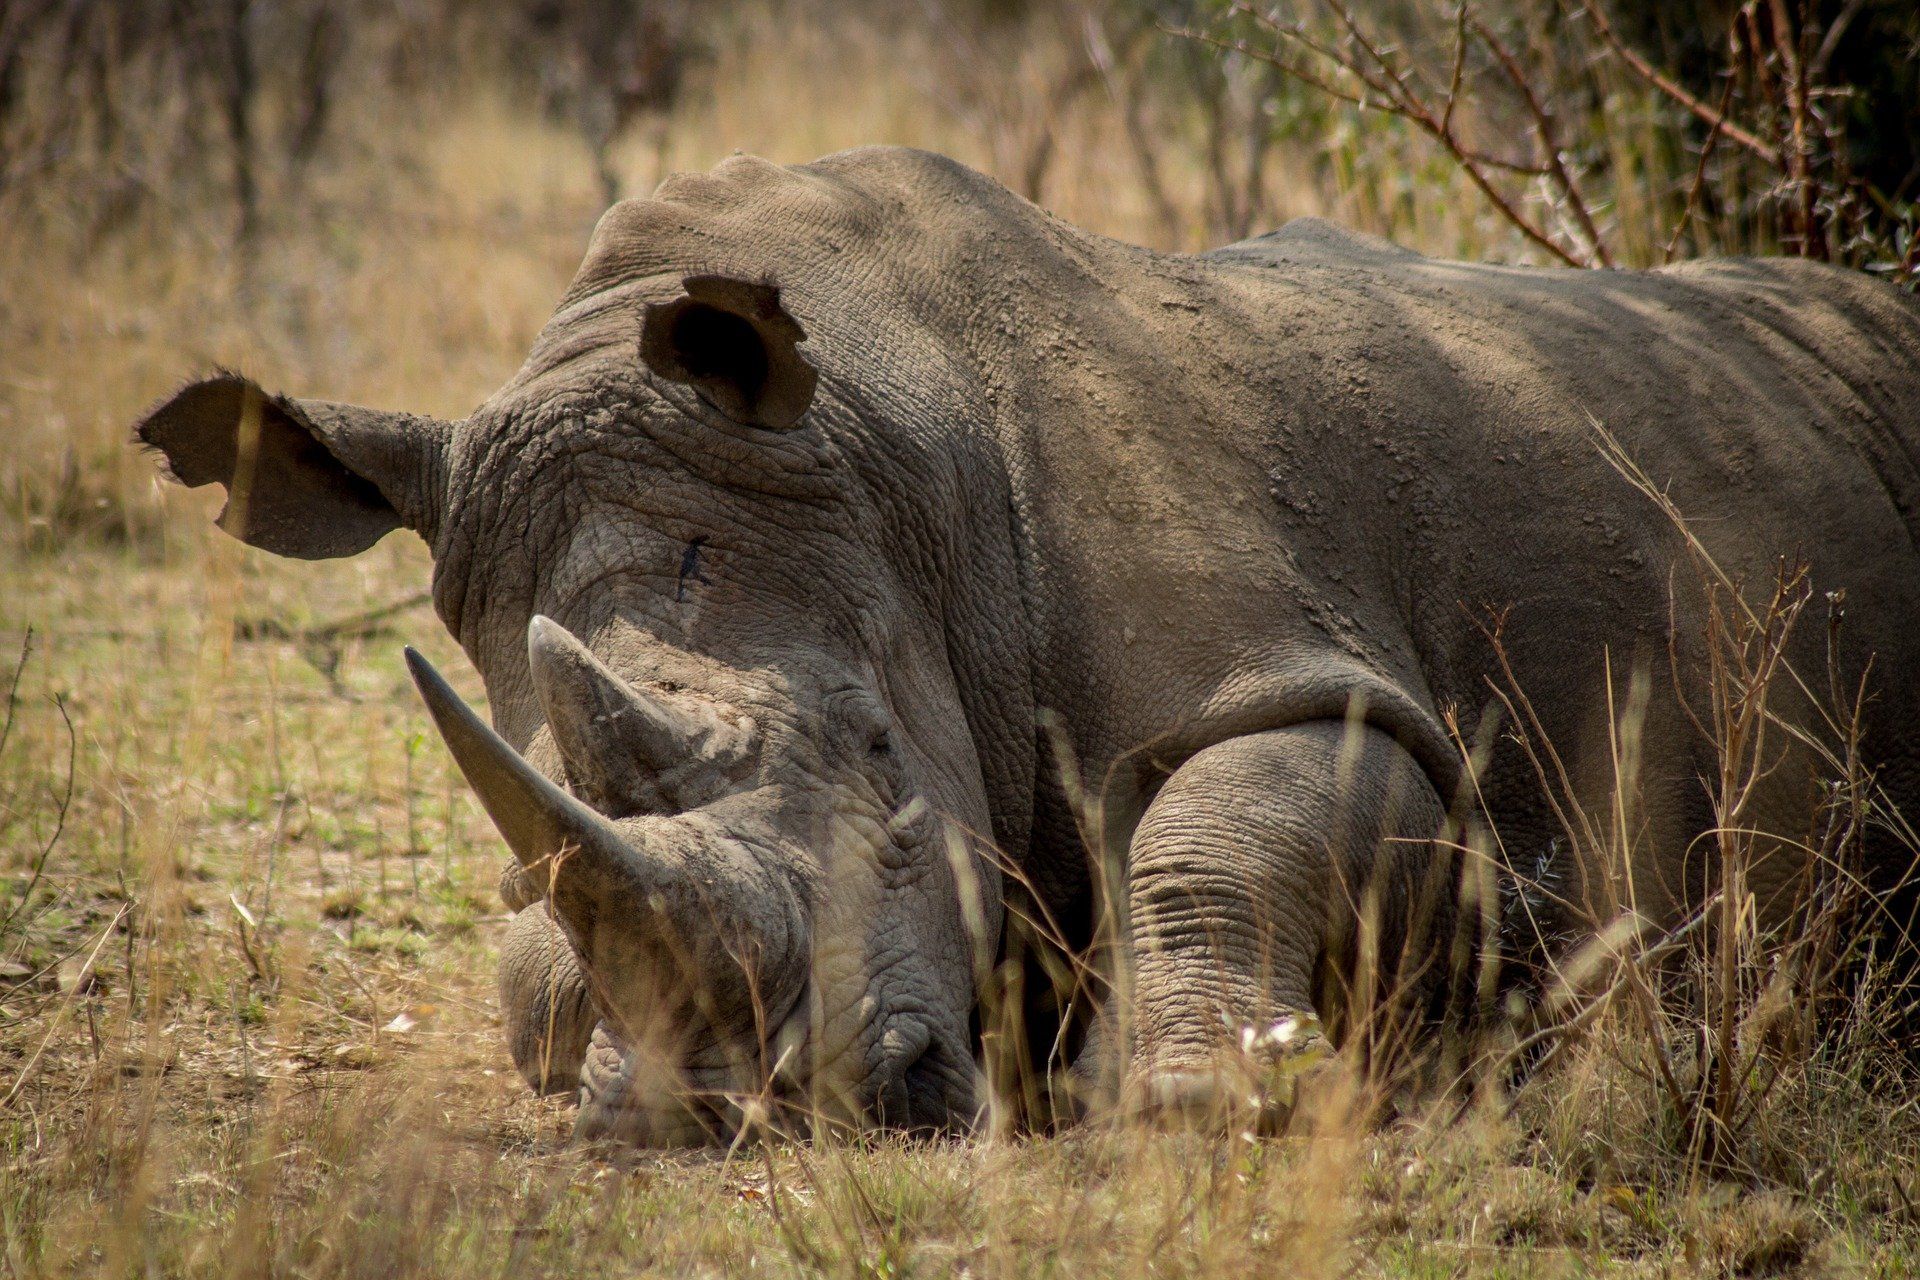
{"x":544,"y":1002}
{"x":1249,"y":878}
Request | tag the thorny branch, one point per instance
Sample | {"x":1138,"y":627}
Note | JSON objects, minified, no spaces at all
{"x":1674,"y":90}
{"x":1384,"y":87}
{"x":1769,"y":107}
{"x":1699,"y":183}
{"x":1543,"y":132}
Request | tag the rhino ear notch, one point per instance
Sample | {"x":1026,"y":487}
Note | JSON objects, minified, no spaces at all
{"x":310,"y":479}
{"x":734,"y":343}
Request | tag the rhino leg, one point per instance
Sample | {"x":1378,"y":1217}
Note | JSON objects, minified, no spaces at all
{"x":1249,"y":877}
{"x":544,"y":1001}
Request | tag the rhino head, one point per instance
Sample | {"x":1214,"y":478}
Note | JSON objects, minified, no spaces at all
{"x":741,"y":600}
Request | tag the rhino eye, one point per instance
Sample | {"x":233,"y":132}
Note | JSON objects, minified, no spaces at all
{"x":861,"y":721}
{"x":883,"y":759}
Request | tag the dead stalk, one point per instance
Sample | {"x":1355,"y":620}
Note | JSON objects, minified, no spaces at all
{"x":1743,"y":995}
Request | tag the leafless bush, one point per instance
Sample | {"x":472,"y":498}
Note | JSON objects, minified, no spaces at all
{"x":149,"y":98}
{"x":604,"y":66}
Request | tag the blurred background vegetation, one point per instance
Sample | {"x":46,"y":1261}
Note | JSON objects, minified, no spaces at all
{"x":275,"y":156}
{"x":116,"y":113}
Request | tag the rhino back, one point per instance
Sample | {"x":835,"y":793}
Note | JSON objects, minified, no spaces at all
{"x":1447,"y":444}
{"x":1245,"y":485}
{"x":1315,"y":464}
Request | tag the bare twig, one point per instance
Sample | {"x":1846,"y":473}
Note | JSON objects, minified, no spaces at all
{"x":1699,"y":183}
{"x":1673,"y":89}
{"x":13,"y":687}
{"x":59,"y":824}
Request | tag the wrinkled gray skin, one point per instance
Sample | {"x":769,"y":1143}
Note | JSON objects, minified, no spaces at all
{"x":823,"y":482}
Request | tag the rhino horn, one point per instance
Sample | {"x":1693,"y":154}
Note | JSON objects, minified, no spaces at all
{"x":538,"y":819}
{"x":625,"y":751}
{"x":654,"y":907}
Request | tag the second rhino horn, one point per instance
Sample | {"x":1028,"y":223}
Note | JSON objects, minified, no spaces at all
{"x":625,"y":751}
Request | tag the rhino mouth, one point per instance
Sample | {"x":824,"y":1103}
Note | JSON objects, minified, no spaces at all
{"x":629,"y":1092}
{"x":632,"y":1093}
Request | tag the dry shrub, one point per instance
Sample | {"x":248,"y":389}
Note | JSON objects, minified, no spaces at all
{"x":1603,"y":177}
{"x":1762,"y":1047}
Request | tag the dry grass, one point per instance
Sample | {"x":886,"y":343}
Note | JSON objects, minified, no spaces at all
{"x":246,"y":1009}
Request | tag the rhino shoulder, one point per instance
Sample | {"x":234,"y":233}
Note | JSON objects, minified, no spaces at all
{"x":1840,"y":313}
{"x":1790,"y":276}
{"x":1314,"y":239}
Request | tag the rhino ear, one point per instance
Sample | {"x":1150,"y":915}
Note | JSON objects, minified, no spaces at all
{"x":731,"y":341}
{"x":304,"y":478}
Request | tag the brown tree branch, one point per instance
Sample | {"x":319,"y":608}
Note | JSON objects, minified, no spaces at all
{"x":1549,"y":143}
{"x":1699,"y":175}
{"x":1673,"y":89}
{"x":1799,"y":158}
{"x":1400,"y":98}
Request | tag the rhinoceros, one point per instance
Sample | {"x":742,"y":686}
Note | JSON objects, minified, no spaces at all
{"x":862,"y":550}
